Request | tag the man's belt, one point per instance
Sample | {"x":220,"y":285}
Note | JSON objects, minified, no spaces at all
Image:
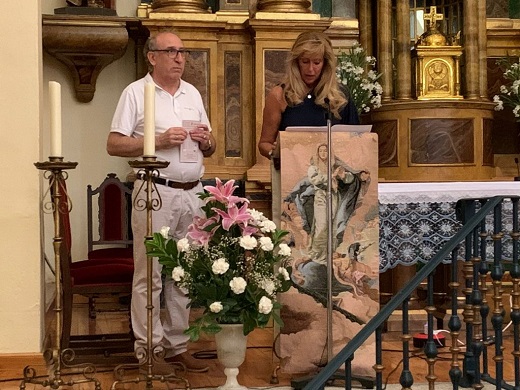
{"x":172,"y":184}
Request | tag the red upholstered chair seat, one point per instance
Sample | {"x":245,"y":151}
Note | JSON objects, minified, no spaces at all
{"x":111,"y":253}
{"x":99,"y":272}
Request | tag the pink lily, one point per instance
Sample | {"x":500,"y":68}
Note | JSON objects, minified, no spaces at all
{"x":197,"y":230}
{"x":234,"y":215}
{"x":249,"y":230}
{"x":223,"y":193}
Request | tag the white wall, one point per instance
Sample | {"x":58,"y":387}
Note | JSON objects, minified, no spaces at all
{"x":85,"y":129}
{"x":24,"y":119}
{"x":20,"y":102}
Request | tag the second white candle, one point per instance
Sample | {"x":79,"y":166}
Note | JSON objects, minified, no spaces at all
{"x":149,"y":120}
{"x":55,"y":117}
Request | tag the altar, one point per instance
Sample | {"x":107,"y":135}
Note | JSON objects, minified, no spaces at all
{"x":417,"y":219}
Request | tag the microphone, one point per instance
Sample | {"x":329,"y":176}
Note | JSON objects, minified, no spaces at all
{"x":517,"y":178}
{"x":327,"y":102}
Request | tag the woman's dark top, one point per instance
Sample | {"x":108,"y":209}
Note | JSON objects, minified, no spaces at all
{"x":310,"y":114}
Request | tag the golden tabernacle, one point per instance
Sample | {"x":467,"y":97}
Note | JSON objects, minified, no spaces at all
{"x":436,"y":62}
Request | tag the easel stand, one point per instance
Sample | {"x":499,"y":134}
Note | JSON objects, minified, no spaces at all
{"x":54,"y":171}
{"x":148,"y":356}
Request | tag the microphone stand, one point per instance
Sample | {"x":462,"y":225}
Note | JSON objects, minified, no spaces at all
{"x":330,"y":219}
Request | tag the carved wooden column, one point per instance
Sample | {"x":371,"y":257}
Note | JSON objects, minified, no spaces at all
{"x":482,"y":49}
{"x":365,"y":26}
{"x":300,"y":6}
{"x":192,"y":6}
{"x":86,"y":45}
{"x":404,"y":74}
{"x":471,"y":48}
{"x":384,"y":32}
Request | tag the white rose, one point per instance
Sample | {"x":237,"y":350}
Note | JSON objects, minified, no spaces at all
{"x":183,"y":245}
{"x":284,"y":250}
{"x":248,"y":242}
{"x":164,"y":231}
{"x":178,"y":273}
{"x":267,"y":226}
{"x":216,"y":307}
{"x":284,"y":273}
{"x":265,"y":305}
{"x":238,"y":285}
{"x":257,"y":215}
{"x":220,"y":266}
{"x":266,"y":244}
{"x":268,"y":286}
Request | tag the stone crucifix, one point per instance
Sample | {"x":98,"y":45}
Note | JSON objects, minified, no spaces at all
{"x":433,"y":16}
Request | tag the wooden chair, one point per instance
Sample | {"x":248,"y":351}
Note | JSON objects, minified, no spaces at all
{"x":114,"y":207}
{"x":91,"y":278}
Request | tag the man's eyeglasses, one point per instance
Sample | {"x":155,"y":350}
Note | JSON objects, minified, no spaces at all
{"x":172,"y":52}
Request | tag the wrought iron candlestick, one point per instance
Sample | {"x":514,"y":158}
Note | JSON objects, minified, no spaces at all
{"x":55,"y":172}
{"x":148,"y":169}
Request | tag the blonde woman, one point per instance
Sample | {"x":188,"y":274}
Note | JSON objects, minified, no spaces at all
{"x":309,"y":90}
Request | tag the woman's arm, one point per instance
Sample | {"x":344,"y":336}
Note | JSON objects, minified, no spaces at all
{"x":272,"y":116}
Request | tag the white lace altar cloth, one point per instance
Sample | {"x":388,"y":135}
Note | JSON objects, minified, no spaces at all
{"x":417,"y":219}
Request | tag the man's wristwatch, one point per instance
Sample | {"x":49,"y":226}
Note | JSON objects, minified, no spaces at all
{"x":209,"y":146}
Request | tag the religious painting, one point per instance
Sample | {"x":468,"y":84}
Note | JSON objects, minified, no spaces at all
{"x":233,"y":102}
{"x":275,"y":65}
{"x":354,"y":251}
{"x":196,"y":72}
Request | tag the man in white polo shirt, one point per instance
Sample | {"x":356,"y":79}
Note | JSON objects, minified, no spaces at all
{"x":177,"y":103}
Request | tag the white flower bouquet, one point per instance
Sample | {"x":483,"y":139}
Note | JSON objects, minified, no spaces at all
{"x":356,"y":71}
{"x":232,"y":262}
{"x":509,"y":95}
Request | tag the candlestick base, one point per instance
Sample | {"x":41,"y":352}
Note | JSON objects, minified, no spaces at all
{"x":149,"y":356}
{"x":149,"y":163}
{"x":56,"y":357}
{"x":55,"y":164}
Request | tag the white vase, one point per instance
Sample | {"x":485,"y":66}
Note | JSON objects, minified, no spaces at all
{"x":231,"y":352}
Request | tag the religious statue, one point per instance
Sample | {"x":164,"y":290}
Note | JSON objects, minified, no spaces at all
{"x":436,"y":62}
{"x":438,"y":74}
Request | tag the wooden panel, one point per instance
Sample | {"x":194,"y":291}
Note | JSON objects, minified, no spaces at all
{"x":387,"y":142}
{"x":441,"y":141}
{"x":232,"y":101}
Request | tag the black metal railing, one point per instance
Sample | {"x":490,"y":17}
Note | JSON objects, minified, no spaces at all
{"x":476,"y":251}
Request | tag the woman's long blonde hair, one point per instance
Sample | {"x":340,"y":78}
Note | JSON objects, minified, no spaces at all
{"x":314,"y":44}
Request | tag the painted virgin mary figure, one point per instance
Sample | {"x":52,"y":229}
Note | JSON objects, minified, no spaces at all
{"x":310,"y":198}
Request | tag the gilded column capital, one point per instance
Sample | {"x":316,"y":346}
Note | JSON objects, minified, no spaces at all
{"x":296,"y":6}
{"x":182,"y":6}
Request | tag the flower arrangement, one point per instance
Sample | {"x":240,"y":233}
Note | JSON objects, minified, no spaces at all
{"x":232,"y":262}
{"x":509,"y":95}
{"x":356,"y":72}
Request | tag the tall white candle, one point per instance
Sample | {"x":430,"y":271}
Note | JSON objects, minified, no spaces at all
{"x":149,"y":120}
{"x":55,"y":107}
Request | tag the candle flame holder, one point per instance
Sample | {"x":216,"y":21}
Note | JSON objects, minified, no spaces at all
{"x":148,"y":168}
{"x":58,"y":202}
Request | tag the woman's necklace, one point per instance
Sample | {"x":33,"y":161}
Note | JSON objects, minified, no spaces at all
{"x":309,"y":95}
